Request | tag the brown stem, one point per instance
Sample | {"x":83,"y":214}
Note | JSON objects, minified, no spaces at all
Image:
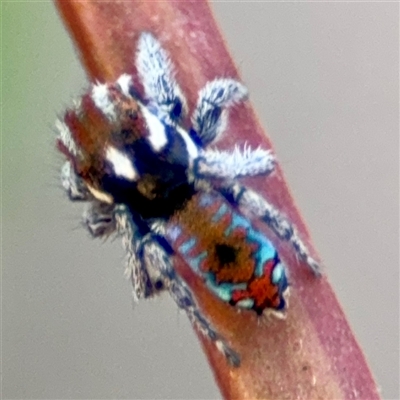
{"x":313,"y":353}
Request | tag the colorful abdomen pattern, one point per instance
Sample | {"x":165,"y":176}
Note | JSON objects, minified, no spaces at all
{"x":237,"y":262}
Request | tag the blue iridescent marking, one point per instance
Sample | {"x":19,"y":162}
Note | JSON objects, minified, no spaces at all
{"x":266,"y":251}
{"x":277,"y":273}
{"x":222,"y":290}
{"x":194,"y":262}
{"x":220,"y":213}
{"x":245,"y":303}
{"x":174,"y":232}
{"x":206,"y":200}
{"x":237,"y":222}
{"x":187,"y":246}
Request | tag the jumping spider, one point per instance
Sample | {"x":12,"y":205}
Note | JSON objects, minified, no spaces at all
{"x":157,"y":184}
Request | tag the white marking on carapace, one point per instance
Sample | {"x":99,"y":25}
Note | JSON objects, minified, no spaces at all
{"x":157,"y":136}
{"x":66,"y":137}
{"x":190,"y":145}
{"x":125,"y":82}
{"x":121,"y":163}
{"x":101,"y":98}
{"x":101,"y":196}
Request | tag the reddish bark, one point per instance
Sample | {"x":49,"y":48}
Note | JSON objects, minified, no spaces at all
{"x":313,"y":353}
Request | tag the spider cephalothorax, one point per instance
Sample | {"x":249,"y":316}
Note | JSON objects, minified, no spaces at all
{"x":154,"y":182}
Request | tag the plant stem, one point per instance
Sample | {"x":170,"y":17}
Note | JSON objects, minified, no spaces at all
{"x":313,"y":353}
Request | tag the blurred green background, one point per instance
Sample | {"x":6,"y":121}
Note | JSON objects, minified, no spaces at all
{"x":324,"y":80}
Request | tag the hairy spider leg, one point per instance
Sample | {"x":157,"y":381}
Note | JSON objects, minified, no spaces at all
{"x":157,"y":76}
{"x":252,"y":203}
{"x":157,"y":255}
{"x":150,"y":268}
{"x":209,"y":118}
{"x":74,"y":185}
{"x":233,"y":164}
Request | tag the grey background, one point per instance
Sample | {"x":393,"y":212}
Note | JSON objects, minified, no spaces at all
{"x":323,"y":78}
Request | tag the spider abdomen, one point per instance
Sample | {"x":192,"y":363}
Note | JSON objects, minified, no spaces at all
{"x":237,"y":262}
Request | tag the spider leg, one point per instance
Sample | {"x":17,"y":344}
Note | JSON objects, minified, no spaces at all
{"x":99,"y":219}
{"x":66,"y":139}
{"x":235,"y":164}
{"x":143,"y":284}
{"x":156,"y":73}
{"x":251,"y":202}
{"x":71,"y":182}
{"x":74,"y":186}
{"x":210,"y":115}
{"x":158,"y":253}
